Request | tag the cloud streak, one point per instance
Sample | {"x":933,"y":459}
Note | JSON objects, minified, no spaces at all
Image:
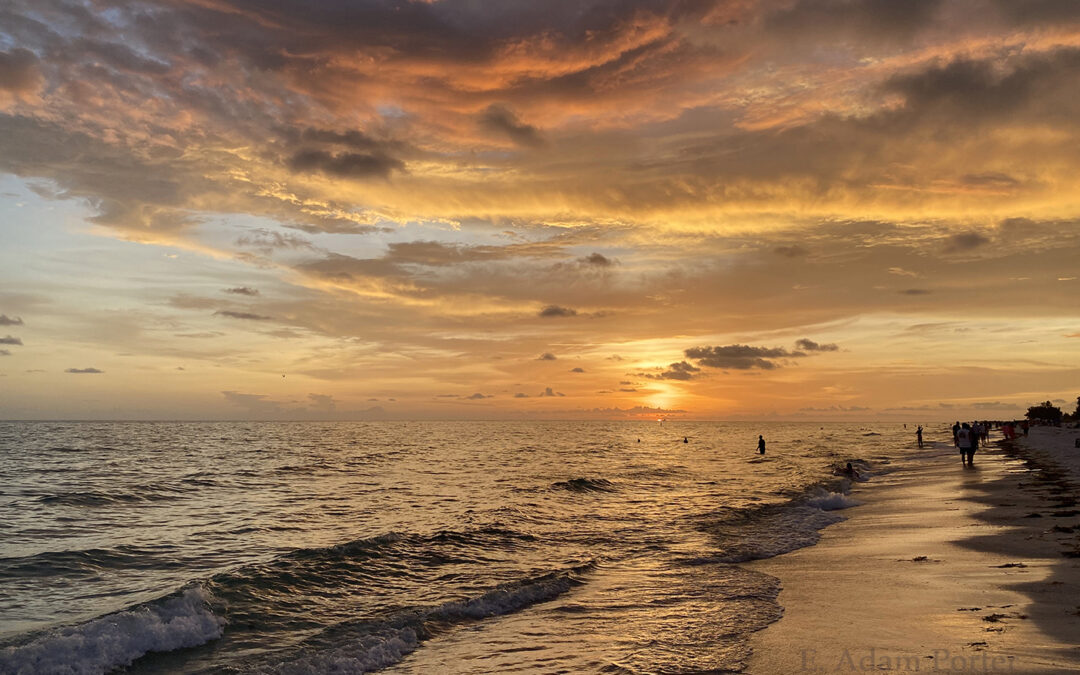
{"x":740,"y":357}
{"x":247,"y":316}
{"x":554,"y":311}
{"x":808,"y":345}
{"x":501,"y":119}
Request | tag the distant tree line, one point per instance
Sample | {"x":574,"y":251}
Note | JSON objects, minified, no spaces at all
{"x":1048,"y":413}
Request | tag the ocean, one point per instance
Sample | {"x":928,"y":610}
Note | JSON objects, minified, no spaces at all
{"x":406,"y":547}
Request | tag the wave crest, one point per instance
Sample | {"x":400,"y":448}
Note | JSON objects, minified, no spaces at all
{"x":585,"y":485}
{"x":402,"y":634}
{"x":116,"y":640}
{"x":774,"y":529}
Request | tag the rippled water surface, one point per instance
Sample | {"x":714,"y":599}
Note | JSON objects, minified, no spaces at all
{"x":408,"y":547}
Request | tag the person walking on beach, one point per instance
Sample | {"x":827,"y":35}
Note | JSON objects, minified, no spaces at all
{"x":963,"y":441}
{"x":955,"y":433}
{"x":918,"y":435}
{"x":976,"y":429}
{"x":760,"y":444}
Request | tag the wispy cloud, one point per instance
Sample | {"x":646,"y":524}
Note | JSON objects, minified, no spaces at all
{"x":241,"y":315}
{"x":501,"y":119}
{"x":554,"y":311}
{"x":739,"y":357}
{"x":808,"y":345}
{"x":676,"y":371}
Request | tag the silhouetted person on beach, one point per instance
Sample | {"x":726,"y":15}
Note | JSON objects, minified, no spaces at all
{"x":685,"y":439}
{"x":760,"y":445}
{"x":918,"y":435}
{"x":964,"y":439}
{"x":955,"y":432}
{"x":975,"y":433}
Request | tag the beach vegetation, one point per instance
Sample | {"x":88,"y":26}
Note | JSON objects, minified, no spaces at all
{"x":1044,"y":412}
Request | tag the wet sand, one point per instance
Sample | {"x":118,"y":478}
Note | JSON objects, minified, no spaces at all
{"x":941,"y":569}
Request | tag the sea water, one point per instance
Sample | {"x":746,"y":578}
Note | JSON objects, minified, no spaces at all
{"x":457,"y":547}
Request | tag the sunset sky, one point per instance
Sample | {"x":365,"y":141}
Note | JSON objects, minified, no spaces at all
{"x":726,"y":209}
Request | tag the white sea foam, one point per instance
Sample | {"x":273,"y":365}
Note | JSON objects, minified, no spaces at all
{"x":778,"y":529}
{"x":372,"y":652}
{"x":115,"y":640}
{"x":504,"y":601}
{"x":832,"y":501}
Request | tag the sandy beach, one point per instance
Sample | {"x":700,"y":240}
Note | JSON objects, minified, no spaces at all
{"x":941,"y":569}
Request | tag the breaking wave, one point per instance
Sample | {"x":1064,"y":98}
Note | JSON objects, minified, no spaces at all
{"x":774,"y":529}
{"x":368,"y":647}
{"x":117,"y":640}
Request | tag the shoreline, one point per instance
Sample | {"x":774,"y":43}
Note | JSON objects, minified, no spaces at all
{"x":941,"y":569}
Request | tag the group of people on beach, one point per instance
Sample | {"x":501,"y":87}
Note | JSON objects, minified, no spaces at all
{"x":967,"y":437}
{"x":1008,"y":429}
